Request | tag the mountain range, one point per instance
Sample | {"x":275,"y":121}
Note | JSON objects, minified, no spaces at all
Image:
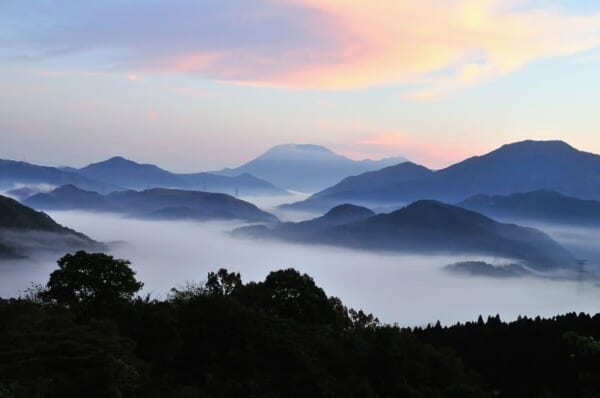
{"x":423,"y":227}
{"x":118,"y":173}
{"x":132,"y":175}
{"x":156,"y":203}
{"x":69,"y":197}
{"x":24,"y":230}
{"x":520,"y":167}
{"x":14,"y":174}
{"x":306,"y":168}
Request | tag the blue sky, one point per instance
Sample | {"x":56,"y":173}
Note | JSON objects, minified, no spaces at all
{"x":201,"y":85}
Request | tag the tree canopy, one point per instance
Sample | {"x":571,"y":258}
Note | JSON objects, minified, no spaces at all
{"x":91,"y":280}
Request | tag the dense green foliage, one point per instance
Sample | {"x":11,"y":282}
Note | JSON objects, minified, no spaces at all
{"x":281,"y":337}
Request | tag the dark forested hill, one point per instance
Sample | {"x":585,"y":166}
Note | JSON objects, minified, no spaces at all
{"x":24,"y":230}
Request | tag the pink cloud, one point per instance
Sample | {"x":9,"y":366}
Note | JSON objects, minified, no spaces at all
{"x":406,"y":41}
{"x":433,"y":155}
{"x":439,"y":45}
{"x":152,"y":115}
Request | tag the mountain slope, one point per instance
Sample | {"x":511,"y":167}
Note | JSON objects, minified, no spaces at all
{"x":306,"y":168}
{"x":132,"y":175}
{"x":519,"y":167}
{"x":543,"y":205}
{"x":301,"y":231}
{"x":24,"y":230}
{"x":23,"y":193}
{"x":357,"y":188}
{"x":429,"y":227}
{"x":69,"y":197}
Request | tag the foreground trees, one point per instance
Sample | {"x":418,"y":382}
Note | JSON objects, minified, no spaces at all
{"x":95,"y":280}
{"x":281,"y":337}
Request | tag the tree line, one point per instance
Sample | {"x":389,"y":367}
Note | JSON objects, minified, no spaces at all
{"x":87,"y":333}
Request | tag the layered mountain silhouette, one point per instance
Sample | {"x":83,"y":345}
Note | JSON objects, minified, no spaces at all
{"x":24,"y":231}
{"x":13,"y":173}
{"x":306,"y":168}
{"x":542,"y":206}
{"x":423,"y":227}
{"x":156,"y":203}
{"x":69,"y":197}
{"x":520,"y":167}
{"x":178,"y":204}
{"x":359,"y":188}
{"x":24,"y":192}
{"x":132,"y":175}
{"x":118,"y":173}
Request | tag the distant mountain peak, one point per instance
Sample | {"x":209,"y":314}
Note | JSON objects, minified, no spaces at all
{"x":299,"y":147}
{"x":427,"y":206}
{"x":120,"y":160}
{"x":68,"y":188}
{"x":536,"y":145}
{"x":306,"y":167}
{"x":298,"y":151}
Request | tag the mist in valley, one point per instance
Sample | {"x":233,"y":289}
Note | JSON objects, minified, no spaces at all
{"x":408,"y":289}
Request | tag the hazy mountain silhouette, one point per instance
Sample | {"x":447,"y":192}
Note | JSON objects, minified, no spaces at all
{"x":427,"y":227}
{"x":179,"y":204}
{"x":156,"y":203}
{"x":24,"y":192}
{"x":24,"y":230}
{"x":69,"y":197}
{"x":306,"y":168}
{"x":306,"y":230}
{"x":129,"y":174}
{"x":14,"y":173}
{"x":519,"y":167}
{"x":543,"y":205}
{"x":132,"y":175}
{"x":358,"y":188}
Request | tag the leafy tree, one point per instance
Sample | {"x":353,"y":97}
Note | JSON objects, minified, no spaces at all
{"x":186,"y":292}
{"x":91,"y":280}
{"x":222,"y":283}
{"x":289,"y":294}
{"x":362,"y":320}
{"x":218,"y":284}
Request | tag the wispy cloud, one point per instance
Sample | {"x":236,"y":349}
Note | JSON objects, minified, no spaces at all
{"x":439,"y":45}
{"x":396,"y":143}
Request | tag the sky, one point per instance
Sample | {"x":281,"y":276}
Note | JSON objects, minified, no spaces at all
{"x":201,"y":85}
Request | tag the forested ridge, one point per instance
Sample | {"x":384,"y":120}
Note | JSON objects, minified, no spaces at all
{"x":87,"y":333}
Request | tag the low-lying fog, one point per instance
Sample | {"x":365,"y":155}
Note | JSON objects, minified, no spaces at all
{"x":411,"y":290}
